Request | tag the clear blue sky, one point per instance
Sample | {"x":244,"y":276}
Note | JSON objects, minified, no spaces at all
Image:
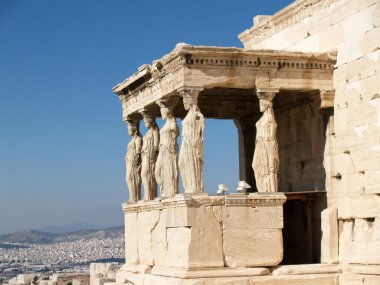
{"x":62,"y":139}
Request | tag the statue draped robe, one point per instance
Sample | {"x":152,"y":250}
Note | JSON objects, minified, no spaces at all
{"x":191,"y":158}
{"x":148,"y":157}
{"x":166,"y":171}
{"x":134,"y":168}
{"x":265,"y":159}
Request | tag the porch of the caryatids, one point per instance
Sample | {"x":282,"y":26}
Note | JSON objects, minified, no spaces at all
{"x":166,"y":170}
{"x":266,"y":162}
{"x":133,"y":160}
{"x":191,"y":157}
{"x":149,"y":154}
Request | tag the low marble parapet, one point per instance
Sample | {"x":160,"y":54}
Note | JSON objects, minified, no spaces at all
{"x":201,"y":231}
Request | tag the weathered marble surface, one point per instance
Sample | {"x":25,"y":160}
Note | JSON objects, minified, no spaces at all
{"x":194,"y":232}
{"x":352,"y":149}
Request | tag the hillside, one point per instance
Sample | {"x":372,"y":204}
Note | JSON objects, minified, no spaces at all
{"x":33,"y":236}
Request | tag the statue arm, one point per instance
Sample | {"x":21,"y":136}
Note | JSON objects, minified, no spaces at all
{"x":156,"y":143}
{"x":173,"y":136}
{"x":272,"y":147}
{"x":138,"y":145}
{"x":201,"y":135}
{"x":270,"y":131}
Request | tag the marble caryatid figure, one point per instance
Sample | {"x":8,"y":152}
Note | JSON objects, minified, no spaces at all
{"x":265,"y":162}
{"x":191,"y":157}
{"x":133,"y":161}
{"x":149,"y":153}
{"x":166,"y":171}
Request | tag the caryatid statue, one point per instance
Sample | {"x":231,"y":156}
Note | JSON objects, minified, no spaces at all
{"x":133,"y":161}
{"x":166,"y":171}
{"x":265,"y":162}
{"x":191,"y":157}
{"x":149,"y":154}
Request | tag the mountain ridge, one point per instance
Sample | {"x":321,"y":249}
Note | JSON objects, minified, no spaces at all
{"x":40,"y":237}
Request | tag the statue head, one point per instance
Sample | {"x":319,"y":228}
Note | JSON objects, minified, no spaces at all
{"x":149,"y":121}
{"x":165,"y":112}
{"x":190,"y":98}
{"x":167,"y":106}
{"x":149,"y":118}
{"x":189,"y":102}
{"x":133,"y":126}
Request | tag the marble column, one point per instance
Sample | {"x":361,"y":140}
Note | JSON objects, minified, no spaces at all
{"x":191,"y":157}
{"x":166,"y":170}
{"x":265,"y":162}
{"x":133,"y":160}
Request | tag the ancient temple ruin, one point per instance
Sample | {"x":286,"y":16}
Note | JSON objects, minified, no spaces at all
{"x":304,"y":96}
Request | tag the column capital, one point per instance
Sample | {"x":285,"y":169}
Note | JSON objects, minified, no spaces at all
{"x":190,"y":91}
{"x":146,"y":113}
{"x":327,"y":98}
{"x":267,"y":93}
{"x":168,"y":102}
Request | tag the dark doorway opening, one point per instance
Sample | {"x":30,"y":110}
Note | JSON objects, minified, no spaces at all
{"x":302,"y":227}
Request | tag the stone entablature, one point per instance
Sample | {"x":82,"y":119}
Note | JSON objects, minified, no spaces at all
{"x":205,"y":68}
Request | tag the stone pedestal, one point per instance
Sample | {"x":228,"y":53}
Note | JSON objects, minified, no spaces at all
{"x":188,"y":233}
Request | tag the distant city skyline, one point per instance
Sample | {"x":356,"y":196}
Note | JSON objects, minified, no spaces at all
{"x":62,"y":139}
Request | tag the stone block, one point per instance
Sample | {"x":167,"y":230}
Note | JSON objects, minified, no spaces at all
{"x":309,"y":44}
{"x":364,"y":158}
{"x":371,"y":280}
{"x":205,"y":248}
{"x":101,"y":281}
{"x":368,"y":86}
{"x":364,"y":269}
{"x":25,"y":278}
{"x":252,"y":247}
{"x":354,"y":71}
{"x":364,"y":4}
{"x":131,"y":237}
{"x":359,"y":241}
{"x":305,"y":269}
{"x":146,"y":222}
{"x":319,"y":22}
{"x":277,"y":41}
{"x":358,"y":206}
{"x":178,"y":246}
{"x":372,"y":181}
{"x":341,"y":10}
{"x":159,"y":241}
{"x":179,"y":216}
{"x":209,"y":272}
{"x":370,"y":41}
{"x":361,"y":115}
{"x":341,"y":118}
{"x":354,"y":28}
{"x":329,"y":243}
{"x":252,"y":217}
{"x":302,"y":279}
{"x":331,"y":37}
{"x":347,"y":278}
{"x":296,"y":33}
{"x":376,"y":16}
